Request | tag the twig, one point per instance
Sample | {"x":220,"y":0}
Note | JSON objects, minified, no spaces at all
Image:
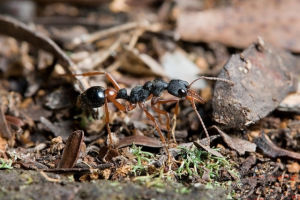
{"x":49,"y":178}
{"x":270,"y":149}
{"x":89,"y":38}
{"x":100,"y":56}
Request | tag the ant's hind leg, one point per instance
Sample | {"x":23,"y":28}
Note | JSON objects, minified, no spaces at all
{"x":107,"y":75}
{"x":162,"y":138}
{"x":107,"y":124}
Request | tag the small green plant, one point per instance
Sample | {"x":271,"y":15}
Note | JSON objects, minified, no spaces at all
{"x":142,"y":157}
{"x":194,"y":161}
{"x":5,"y":164}
{"x":197,"y":162}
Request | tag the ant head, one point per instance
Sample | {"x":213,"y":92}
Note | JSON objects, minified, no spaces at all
{"x":93,"y":97}
{"x":178,"y":88}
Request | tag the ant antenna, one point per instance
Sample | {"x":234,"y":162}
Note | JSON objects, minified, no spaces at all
{"x":211,"y":78}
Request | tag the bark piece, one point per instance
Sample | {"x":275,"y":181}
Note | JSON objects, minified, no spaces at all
{"x":263,"y":76}
{"x":276,"y":21}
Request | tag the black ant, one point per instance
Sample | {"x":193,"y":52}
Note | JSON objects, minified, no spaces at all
{"x":98,"y":96}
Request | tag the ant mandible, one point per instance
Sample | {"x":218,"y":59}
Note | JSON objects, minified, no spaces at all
{"x":97,"y":96}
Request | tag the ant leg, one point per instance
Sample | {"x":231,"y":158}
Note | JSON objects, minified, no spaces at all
{"x":158,"y":101}
{"x":107,"y":123}
{"x":192,"y":100}
{"x":107,"y":75}
{"x":162,"y":138}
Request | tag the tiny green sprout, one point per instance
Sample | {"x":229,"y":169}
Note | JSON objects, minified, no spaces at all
{"x":142,"y":157}
{"x":5,"y":164}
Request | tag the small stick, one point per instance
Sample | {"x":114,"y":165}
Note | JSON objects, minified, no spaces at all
{"x":89,"y":38}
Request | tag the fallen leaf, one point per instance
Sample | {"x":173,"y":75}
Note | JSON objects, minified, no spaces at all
{"x":240,"y":145}
{"x":239,"y":25}
{"x":139,"y":140}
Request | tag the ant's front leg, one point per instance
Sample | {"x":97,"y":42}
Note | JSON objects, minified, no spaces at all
{"x":192,"y":99}
{"x":157,"y":101}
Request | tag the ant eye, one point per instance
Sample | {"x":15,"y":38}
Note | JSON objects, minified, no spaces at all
{"x":182,"y":92}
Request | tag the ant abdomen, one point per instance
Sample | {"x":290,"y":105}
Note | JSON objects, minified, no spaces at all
{"x":93,"y":97}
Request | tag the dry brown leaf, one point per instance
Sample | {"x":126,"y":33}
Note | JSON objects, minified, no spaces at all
{"x":240,"y":145}
{"x":278,"y":22}
{"x":139,"y":140}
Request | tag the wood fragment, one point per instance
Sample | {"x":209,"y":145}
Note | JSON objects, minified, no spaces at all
{"x":72,"y":150}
